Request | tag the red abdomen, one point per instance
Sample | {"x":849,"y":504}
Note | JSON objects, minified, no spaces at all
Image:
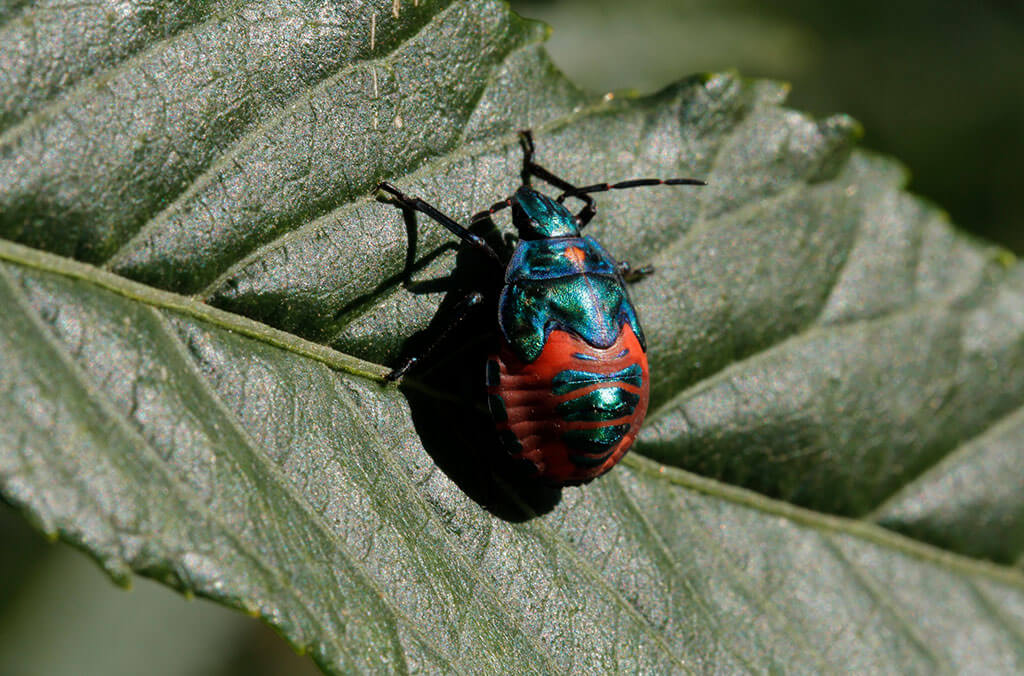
{"x":575,"y":410}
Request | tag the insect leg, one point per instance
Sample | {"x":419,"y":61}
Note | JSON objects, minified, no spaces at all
{"x":461,"y":311}
{"x":631,"y":274}
{"x":584,"y":192}
{"x":416,"y":204}
{"x":531,"y":168}
{"x":486,"y":214}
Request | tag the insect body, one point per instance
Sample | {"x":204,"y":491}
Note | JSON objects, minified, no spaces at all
{"x":568,"y":386}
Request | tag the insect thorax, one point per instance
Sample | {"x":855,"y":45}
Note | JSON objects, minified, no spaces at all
{"x":569,"y":283}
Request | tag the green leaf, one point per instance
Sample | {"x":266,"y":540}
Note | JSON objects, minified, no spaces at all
{"x":201,"y":295}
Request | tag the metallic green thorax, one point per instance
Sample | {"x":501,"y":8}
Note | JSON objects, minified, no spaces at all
{"x":569,"y":283}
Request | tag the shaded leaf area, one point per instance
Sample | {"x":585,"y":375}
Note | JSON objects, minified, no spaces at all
{"x":815,"y":333}
{"x":86,"y":169}
{"x":180,"y":450}
{"x":49,"y":47}
{"x":909,"y":353}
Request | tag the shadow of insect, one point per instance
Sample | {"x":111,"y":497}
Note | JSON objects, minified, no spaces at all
{"x":446,"y":392}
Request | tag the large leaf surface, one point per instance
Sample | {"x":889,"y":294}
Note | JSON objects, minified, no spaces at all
{"x":200,"y":293}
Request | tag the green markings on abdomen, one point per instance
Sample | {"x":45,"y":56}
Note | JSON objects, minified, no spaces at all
{"x":595,"y":441}
{"x":606,"y":403}
{"x":591,"y":446}
{"x":567,"y":381}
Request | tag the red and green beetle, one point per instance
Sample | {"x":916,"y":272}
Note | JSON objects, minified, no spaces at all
{"x":569,"y":385}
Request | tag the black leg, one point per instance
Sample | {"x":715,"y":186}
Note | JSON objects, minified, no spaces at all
{"x":416,"y":204}
{"x":461,"y":310}
{"x":531,"y":168}
{"x":486,"y":214}
{"x":631,"y":274}
{"x":633,"y":183}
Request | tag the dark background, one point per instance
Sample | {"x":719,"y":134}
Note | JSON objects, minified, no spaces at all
{"x":938,"y":85}
{"x":941,"y":87}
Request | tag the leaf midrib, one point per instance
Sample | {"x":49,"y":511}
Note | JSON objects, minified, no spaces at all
{"x":334,"y":359}
{"x":167,"y":300}
{"x":828,"y":523}
{"x":253,"y":555}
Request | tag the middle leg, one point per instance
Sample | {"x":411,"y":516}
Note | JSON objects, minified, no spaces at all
{"x":460,"y":312}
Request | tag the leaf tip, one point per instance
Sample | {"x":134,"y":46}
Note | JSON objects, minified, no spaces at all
{"x":846,"y":125}
{"x":1005,"y":258}
{"x":539,"y":31}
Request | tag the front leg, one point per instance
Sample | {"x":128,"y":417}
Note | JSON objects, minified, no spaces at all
{"x":531,"y":169}
{"x":416,"y":204}
{"x":631,"y":274}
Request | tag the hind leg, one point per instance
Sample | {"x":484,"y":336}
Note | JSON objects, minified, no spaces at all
{"x":631,"y":274}
{"x":461,"y":311}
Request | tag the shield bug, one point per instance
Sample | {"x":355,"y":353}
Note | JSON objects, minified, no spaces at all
{"x":568,"y":385}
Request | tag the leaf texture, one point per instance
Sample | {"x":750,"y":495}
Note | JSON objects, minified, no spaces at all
{"x":201,"y":292}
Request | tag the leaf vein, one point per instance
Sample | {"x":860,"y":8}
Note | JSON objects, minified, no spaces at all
{"x":863,"y":579}
{"x":629,"y":501}
{"x":259,"y":457}
{"x":1010,"y":625}
{"x":142,"y":444}
{"x":250,"y":137}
